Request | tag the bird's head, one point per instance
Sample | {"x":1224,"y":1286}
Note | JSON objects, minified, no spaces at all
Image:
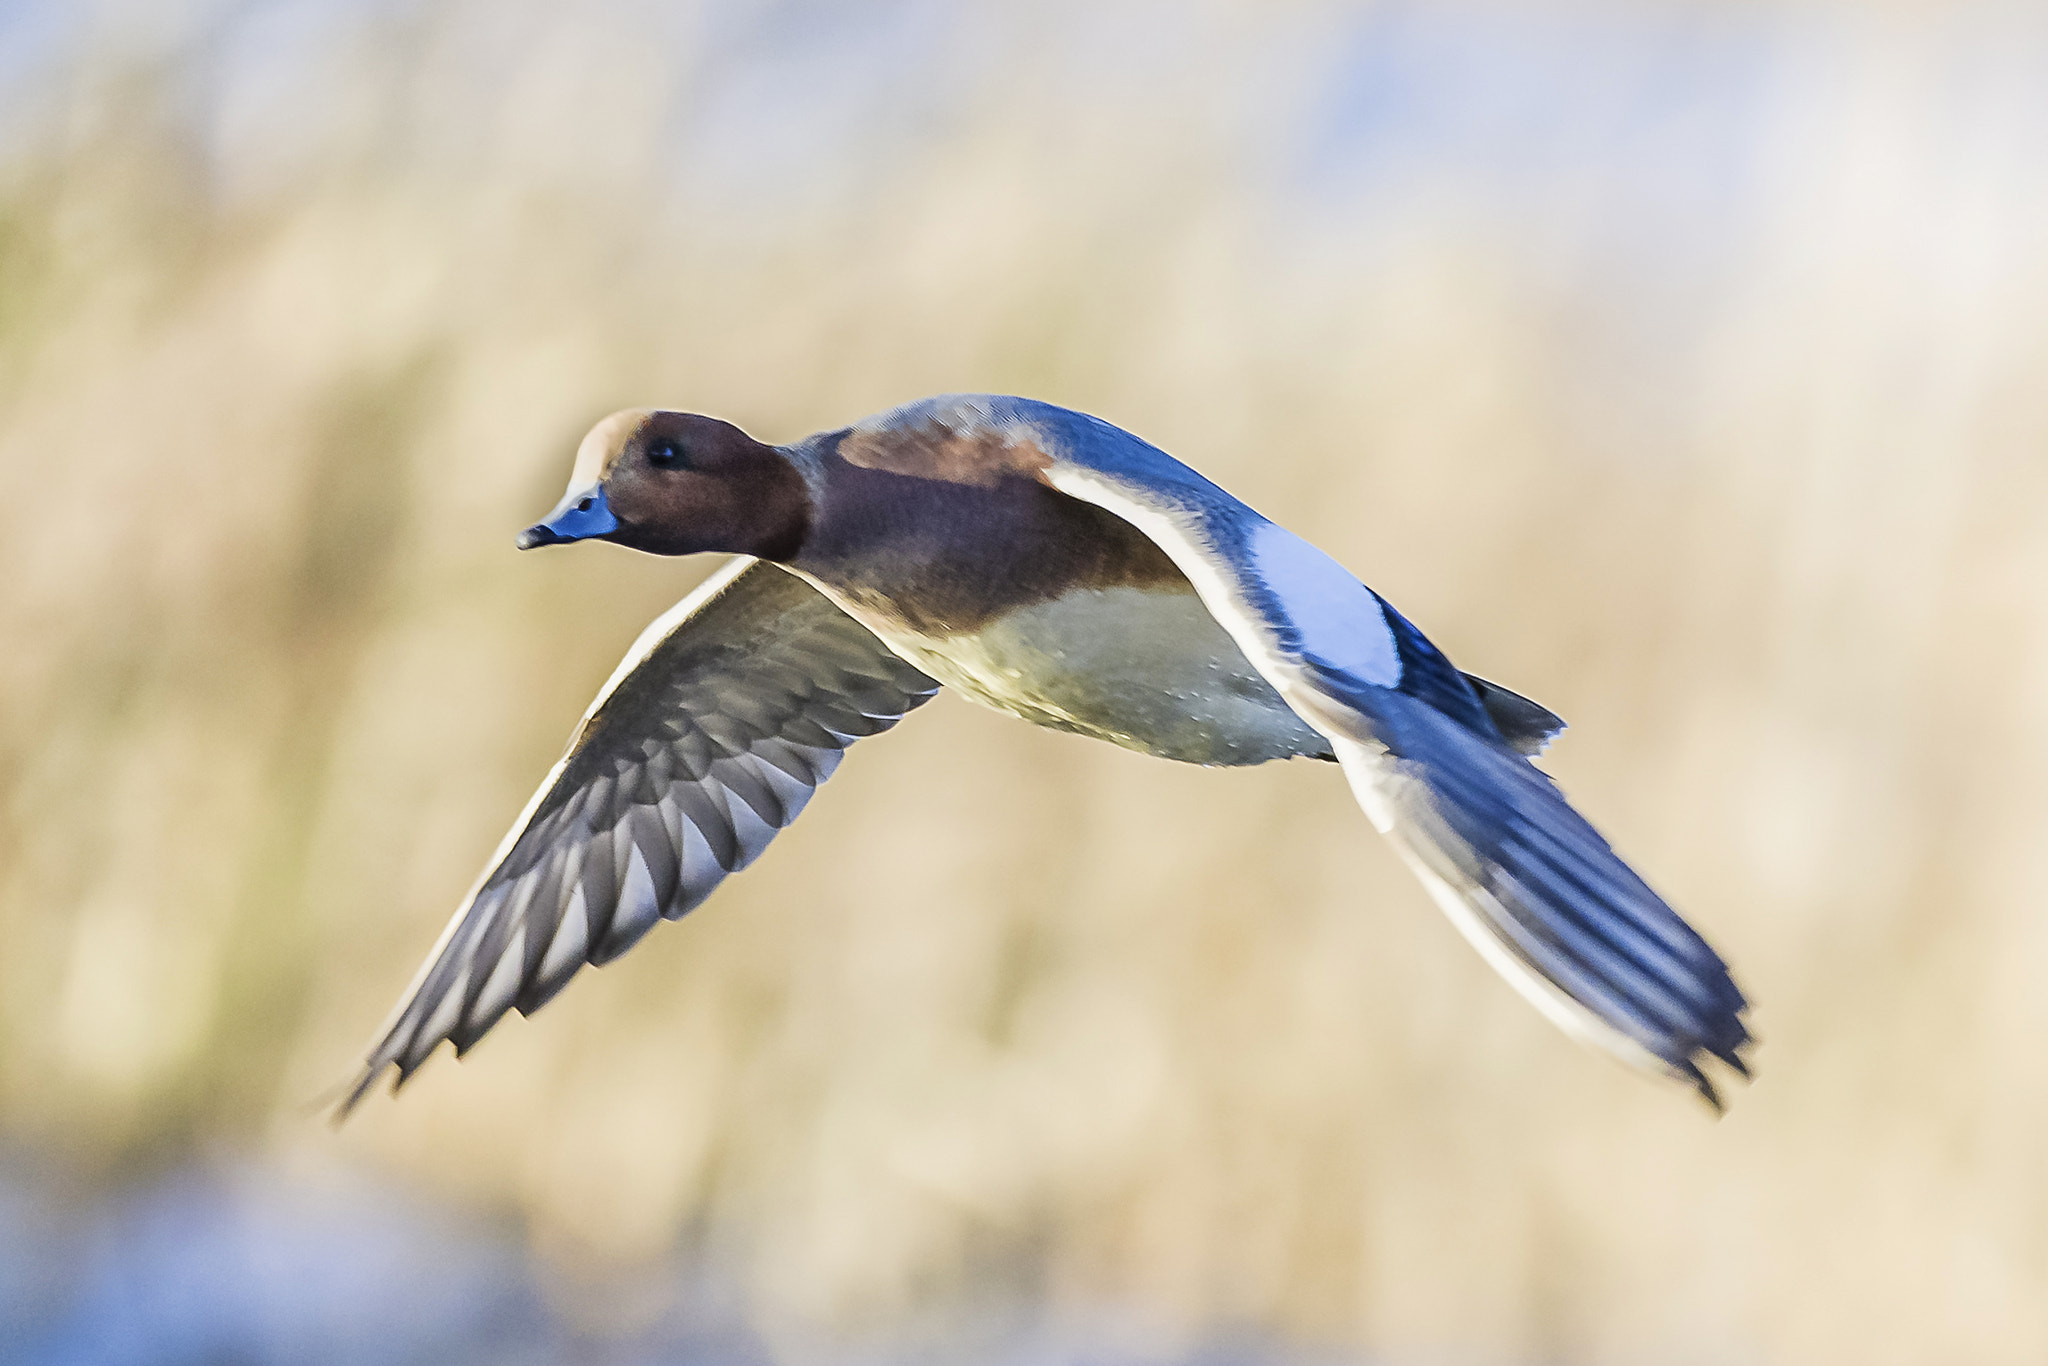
{"x":677,"y":483}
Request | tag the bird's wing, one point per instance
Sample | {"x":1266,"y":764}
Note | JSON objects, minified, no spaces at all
{"x":1527,"y":726}
{"x":731,"y":708}
{"x":1530,"y":883}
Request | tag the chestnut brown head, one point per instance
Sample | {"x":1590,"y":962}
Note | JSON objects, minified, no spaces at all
{"x":675,"y":484}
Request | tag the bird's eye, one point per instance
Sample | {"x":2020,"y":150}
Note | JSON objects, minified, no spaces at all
{"x":665,"y":454}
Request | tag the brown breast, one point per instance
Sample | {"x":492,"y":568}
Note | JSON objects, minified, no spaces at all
{"x":942,"y":532}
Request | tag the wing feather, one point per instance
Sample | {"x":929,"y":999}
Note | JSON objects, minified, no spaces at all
{"x":709,"y":739}
{"x":1439,"y":760}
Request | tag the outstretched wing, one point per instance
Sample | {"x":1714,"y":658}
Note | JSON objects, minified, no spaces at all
{"x":1540,"y":894}
{"x":711,"y":736}
{"x":1438,"y":763}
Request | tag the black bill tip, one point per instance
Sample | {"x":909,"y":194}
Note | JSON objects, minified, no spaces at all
{"x":539,"y":534}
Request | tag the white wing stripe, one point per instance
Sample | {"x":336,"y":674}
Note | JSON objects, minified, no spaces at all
{"x":1340,"y":621}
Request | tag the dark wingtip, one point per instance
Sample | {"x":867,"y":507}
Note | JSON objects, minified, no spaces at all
{"x":1729,"y":1054}
{"x":345,"y":1106}
{"x":1526,"y":725}
{"x":1689,"y":1071}
{"x":1734,"y":1038}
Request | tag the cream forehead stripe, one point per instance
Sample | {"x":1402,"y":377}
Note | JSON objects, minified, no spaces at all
{"x":603,"y":442}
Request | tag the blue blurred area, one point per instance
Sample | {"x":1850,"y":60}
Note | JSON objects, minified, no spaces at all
{"x":244,"y":1264}
{"x":1675,"y":106}
{"x":212,"y":1265}
{"x":808,"y":103}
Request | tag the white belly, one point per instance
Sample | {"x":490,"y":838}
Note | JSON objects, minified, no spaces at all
{"x":1149,"y":670}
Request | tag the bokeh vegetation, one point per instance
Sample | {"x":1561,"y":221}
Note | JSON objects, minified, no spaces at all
{"x":1684,"y":366}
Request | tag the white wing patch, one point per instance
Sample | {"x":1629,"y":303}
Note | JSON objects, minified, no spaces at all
{"x":1340,"y":620}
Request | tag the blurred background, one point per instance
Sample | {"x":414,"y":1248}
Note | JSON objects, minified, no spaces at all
{"x":1683,"y":365}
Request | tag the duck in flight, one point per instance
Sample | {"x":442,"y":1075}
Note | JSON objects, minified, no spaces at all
{"x":1052,"y":566}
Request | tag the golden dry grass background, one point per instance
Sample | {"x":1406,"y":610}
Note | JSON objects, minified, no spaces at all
{"x":1685,"y":367}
